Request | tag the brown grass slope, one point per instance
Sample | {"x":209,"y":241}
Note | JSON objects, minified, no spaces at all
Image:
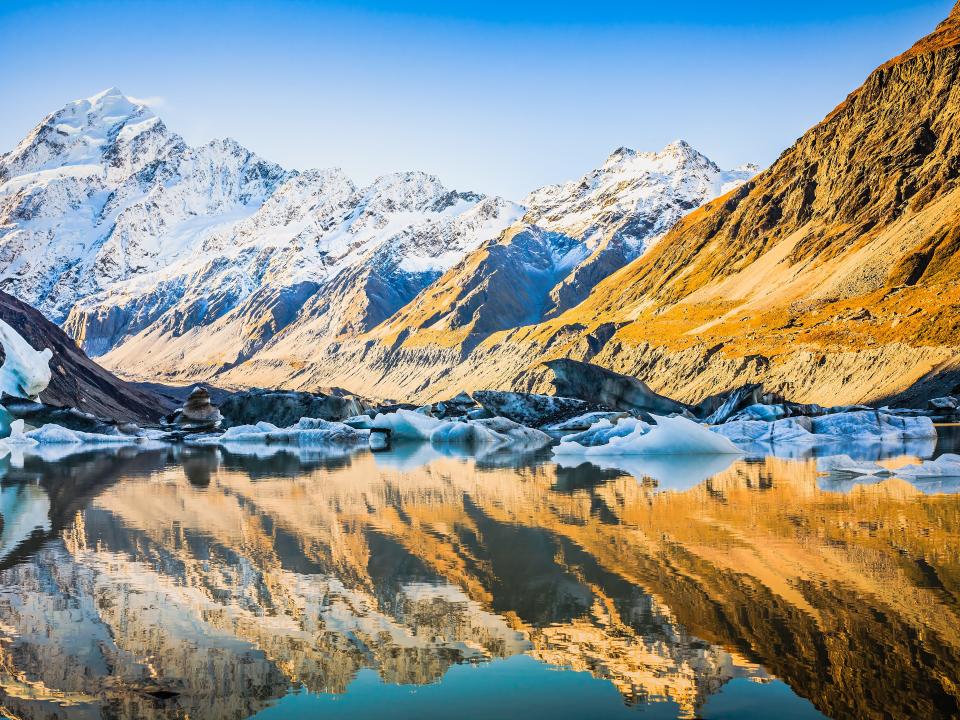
{"x":847,"y":244}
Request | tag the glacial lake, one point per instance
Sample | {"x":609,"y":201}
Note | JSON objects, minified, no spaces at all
{"x":421,"y":583}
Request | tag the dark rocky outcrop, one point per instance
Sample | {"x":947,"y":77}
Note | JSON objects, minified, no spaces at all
{"x":531,"y":409}
{"x":284,"y":408}
{"x":78,"y":382}
{"x":608,"y":389}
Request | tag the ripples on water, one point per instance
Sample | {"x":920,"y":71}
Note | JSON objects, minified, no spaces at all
{"x":212,"y":584}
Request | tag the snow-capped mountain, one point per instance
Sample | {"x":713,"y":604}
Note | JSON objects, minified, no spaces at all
{"x":113,"y":226}
{"x":571,"y":237}
{"x":622,"y":208}
{"x":176,"y":260}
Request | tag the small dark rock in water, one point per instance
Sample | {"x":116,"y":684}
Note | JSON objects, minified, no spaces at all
{"x":531,"y":409}
{"x":607,"y":389}
{"x":198,"y":414}
{"x":284,"y":408}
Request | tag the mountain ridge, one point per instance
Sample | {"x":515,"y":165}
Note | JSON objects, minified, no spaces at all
{"x":831,"y":276}
{"x":182,"y":262}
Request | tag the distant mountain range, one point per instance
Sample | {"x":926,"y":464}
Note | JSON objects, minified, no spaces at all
{"x":184,"y":262}
{"x":831,"y":277}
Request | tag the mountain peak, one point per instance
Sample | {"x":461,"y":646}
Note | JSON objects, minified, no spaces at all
{"x":110,"y":92}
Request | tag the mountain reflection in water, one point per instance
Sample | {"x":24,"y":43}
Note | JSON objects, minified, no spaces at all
{"x":209,"y":584}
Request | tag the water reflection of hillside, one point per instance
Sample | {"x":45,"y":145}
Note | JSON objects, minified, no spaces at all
{"x":170,"y":584}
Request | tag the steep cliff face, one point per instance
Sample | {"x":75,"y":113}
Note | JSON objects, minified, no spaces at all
{"x":832,"y":276}
{"x":78,"y":381}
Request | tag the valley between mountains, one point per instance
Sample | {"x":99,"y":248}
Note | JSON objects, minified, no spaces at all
{"x":830,"y":277}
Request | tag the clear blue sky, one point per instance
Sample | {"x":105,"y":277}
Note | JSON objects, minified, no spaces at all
{"x":499,"y":97}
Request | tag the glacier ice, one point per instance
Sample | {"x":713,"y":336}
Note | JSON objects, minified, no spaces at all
{"x":862,"y":426}
{"x":306,"y":432}
{"x":407,"y":424}
{"x":670,"y":436}
{"x":55,"y":434}
{"x":25,"y":372}
{"x":874,"y":425}
{"x":787,"y":430}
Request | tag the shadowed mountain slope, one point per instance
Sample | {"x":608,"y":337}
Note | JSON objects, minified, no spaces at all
{"x":77,"y":380}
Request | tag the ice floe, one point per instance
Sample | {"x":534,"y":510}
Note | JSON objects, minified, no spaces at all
{"x":670,"y":436}
{"x":306,"y":432}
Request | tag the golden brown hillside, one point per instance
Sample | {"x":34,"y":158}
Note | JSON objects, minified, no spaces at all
{"x":831,"y":277}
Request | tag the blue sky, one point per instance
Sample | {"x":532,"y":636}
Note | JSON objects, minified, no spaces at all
{"x":499,"y":97}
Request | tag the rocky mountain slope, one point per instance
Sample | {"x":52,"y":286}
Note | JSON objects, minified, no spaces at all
{"x":78,"y":382}
{"x":831,"y":277}
{"x":182,"y":263}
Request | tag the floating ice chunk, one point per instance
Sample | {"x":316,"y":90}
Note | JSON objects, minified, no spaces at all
{"x":407,"y":424}
{"x":759,"y":411}
{"x":55,"y":434}
{"x":25,"y":372}
{"x":360,"y":422}
{"x":603,"y":432}
{"x":787,"y":430}
{"x":492,"y":431}
{"x":585,"y":422}
{"x":18,"y":436}
{"x":874,"y":425}
{"x":248,"y":433}
{"x":306,"y":432}
{"x":670,"y":436}
{"x":464,"y":433}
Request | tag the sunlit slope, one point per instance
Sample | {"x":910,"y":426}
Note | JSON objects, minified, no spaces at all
{"x":832,"y":275}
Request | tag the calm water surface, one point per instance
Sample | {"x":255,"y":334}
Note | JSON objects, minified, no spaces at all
{"x":184,"y":583}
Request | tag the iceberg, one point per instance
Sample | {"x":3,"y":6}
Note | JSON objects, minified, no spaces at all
{"x":306,"y":432}
{"x":670,"y":436}
{"x":55,"y":434}
{"x":492,"y":431}
{"x":25,"y":372}
{"x":787,"y":430}
{"x":874,"y":425}
{"x":407,"y":424}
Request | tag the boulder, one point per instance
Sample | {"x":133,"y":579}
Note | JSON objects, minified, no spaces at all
{"x":198,"y":414}
{"x":457,"y":406}
{"x":284,"y":408}
{"x":531,"y":409}
{"x":602,"y":387}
